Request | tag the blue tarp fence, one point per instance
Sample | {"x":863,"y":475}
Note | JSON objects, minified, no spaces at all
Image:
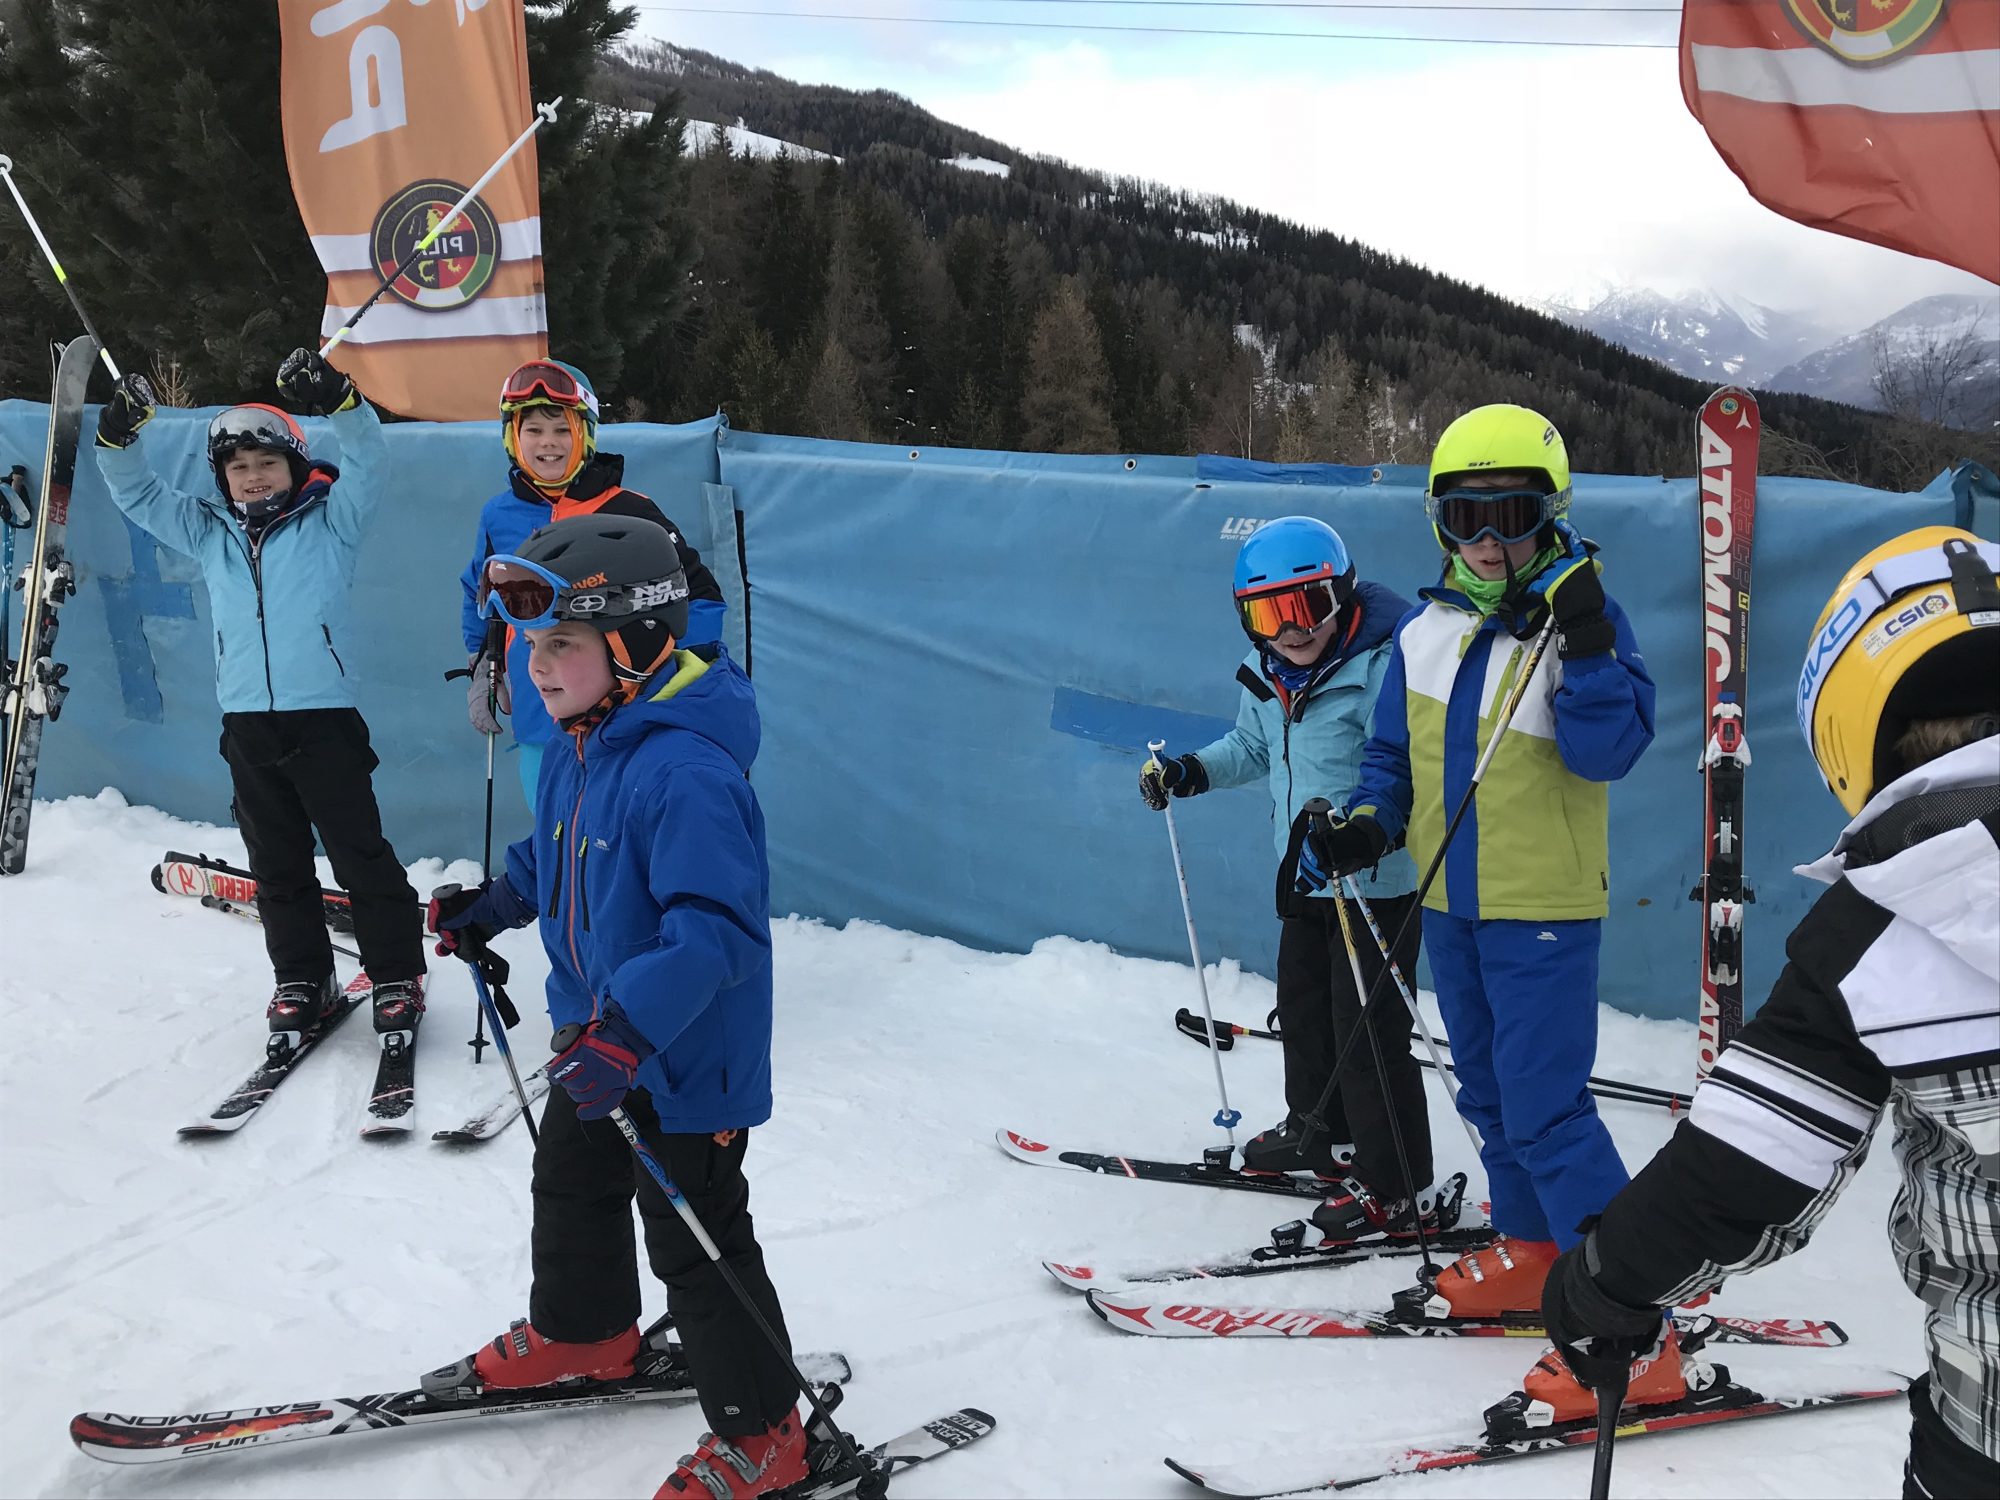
{"x":959,"y":657}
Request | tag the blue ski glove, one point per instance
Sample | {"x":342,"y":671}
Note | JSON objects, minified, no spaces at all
{"x":597,"y":1068}
{"x":1334,"y":847}
{"x":464,"y":921}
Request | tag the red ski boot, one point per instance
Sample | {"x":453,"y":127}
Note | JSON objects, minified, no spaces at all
{"x":521,"y":1358}
{"x":735,"y":1468}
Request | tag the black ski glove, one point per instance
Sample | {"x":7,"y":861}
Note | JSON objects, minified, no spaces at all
{"x":1335,"y":847}
{"x":1571,"y":587}
{"x":314,"y":386}
{"x":1177,"y":776}
{"x":1597,"y":1335}
{"x":129,"y":409}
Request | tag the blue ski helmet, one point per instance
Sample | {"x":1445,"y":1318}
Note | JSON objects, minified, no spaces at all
{"x":1291,"y":571}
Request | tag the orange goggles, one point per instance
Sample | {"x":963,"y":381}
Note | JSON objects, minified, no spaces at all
{"x":1307,"y":603}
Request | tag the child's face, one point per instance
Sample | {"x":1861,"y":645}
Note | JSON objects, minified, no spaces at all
{"x":570,"y":666}
{"x":1489,"y":557}
{"x":1302,"y":648}
{"x":544,"y":441}
{"x":255,"y":474}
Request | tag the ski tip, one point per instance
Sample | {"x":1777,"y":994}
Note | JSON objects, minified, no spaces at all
{"x":1020,"y":1147}
{"x":1074,"y":1278}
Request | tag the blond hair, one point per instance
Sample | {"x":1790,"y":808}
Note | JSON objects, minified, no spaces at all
{"x":1927,"y":739}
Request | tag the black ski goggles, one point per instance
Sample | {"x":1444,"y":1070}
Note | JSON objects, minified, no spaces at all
{"x":1509,"y":515}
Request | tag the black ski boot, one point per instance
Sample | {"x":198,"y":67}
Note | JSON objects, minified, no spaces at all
{"x":1277,"y":1150}
{"x":399,"y":1008}
{"x":1354,"y":1214}
{"x":296,"y":1009}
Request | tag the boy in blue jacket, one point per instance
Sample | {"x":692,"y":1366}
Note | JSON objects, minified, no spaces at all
{"x":1320,"y":645}
{"x":277,"y":553}
{"x":647,"y":873}
{"x":548,"y":425}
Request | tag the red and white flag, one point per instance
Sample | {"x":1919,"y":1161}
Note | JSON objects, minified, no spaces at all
{"x":1877,"y":119}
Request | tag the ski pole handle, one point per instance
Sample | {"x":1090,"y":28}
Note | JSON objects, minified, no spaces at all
{"x":62,"y":276}
{"x":544,"y":114}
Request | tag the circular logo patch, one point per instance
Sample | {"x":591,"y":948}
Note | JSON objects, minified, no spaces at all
{"x":456,"y":267}
{"x":1866,"y":31}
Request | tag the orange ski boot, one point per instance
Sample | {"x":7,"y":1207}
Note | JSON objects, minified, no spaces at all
{"x":736,"y":1468}
{"x":1503,"y":1280}
{"x":1551,"y":1396}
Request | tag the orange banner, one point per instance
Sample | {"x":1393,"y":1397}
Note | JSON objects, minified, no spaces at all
{"x":392,"y":110}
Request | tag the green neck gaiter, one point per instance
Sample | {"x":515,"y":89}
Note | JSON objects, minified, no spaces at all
{"x":1486,"y":593}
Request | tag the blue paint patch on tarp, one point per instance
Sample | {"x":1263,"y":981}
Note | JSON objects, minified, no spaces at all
{"x":1131,"y":726}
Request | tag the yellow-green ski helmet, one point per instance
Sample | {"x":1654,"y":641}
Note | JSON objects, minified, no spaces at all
{"x":1497,"y":439}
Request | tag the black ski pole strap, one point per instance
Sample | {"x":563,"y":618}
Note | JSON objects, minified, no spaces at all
{"x":495,"y":969}
{"x":1193,"y":1025}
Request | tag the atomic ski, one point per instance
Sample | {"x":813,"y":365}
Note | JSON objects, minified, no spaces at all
{"x":1136,"y":1312}
{"x":33,"y":691}
{"x":1723,"y":1402}
{"x":497,"y":1116}
{"x":249,"y":1096}
{"x":1727,"y":461}
{"x":199,"y":876}
{"x":660,"y":1375}
{"x":1213,"y":1170}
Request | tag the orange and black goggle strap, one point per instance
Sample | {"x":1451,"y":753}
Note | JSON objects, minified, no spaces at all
{"x":1305,"y":602}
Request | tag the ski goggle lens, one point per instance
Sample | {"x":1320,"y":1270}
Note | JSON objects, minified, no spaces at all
{"x":1509,"y":515}
{"x":246,"y":426}
{"x":522,"y":593}
{"x":539,"y":382}
{"x":1307,"y":604}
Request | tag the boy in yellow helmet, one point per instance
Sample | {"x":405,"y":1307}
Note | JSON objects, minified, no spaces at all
{"x":1512,"y":924}
{"x":1891,"y":999}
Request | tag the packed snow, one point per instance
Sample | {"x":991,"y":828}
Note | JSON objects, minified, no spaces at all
{"x":144,"y":1273}
{"x":980,"y":164}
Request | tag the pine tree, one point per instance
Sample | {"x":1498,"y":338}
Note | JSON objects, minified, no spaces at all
{"x":1066,"y":407}
{"x":833,"y":405}
{"x":787,"y":258}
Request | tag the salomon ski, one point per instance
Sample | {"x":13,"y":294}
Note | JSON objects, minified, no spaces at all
{"x":1724,"y":1402}
{"x":33,"y":691}
{"x":1213,"y":1170}
{"x":1138,"y":1312}
{"x":249,"y":1096}
{"x":1727,"y":459}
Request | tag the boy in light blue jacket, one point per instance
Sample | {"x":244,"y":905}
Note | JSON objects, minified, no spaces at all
{"x":277,"y":547}
{"x":1320,"y":645}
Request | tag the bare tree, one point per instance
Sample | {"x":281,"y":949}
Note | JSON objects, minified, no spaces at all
{"x":1926,"y":380}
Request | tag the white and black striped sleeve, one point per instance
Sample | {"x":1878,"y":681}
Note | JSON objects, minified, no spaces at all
{"x":1778,"y":1128}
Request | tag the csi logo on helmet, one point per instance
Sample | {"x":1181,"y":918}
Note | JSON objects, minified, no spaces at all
{"x":456,"y":267}
{"x":1917,"y":612}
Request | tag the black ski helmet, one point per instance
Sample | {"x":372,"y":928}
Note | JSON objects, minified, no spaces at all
{"x":625,"y":579}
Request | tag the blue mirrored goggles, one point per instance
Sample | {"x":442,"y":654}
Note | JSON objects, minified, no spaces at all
{"x":529,"y":596}
{"x":1508,"y":515}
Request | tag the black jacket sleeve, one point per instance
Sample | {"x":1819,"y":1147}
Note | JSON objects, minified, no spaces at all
{"x":1777,"y":1130}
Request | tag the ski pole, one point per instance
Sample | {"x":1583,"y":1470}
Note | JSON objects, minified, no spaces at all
{"x":1610,"y":1397}
{"x":62,"y":276}
{"x":1314,"y":1124}
{"x":1438,"y":1063}
{"x":494,"y":636}
{"x":251,"y":914}
{"x":1226,"y":1117}
{"x":822,"y":1410}
{"x":487,"y":1008}
{"x":544,"y":114}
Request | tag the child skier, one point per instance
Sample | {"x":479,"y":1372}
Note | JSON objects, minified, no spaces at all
{"x":548,"y":425}
{"x":1891,"y":999}
{"x":277,"y":555}
{"x":1512,"y":927}
{"x":1320,"y":644}
{"x":648,"y":874}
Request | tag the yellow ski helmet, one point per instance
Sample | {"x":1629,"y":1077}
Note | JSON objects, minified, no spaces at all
{"x":1912,"y":632}
{"x":1499,"y":439}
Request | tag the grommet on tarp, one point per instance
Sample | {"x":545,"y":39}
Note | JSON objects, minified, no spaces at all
{"x":914,"y":455}
{"x":1375,"y":476}
{"x":1131,"y":463}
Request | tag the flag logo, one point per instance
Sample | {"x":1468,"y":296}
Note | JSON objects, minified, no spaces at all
{"x":1863,"y":32}
{"x":457,"y":268}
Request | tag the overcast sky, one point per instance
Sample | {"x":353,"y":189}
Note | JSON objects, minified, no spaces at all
{"x":1532,"y":170}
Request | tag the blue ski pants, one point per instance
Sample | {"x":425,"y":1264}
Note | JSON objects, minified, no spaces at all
{"x":1519,"y":1000}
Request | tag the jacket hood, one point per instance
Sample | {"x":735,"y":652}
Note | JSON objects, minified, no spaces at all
{"x":1382,"y":608}
{"x":700,"y":690}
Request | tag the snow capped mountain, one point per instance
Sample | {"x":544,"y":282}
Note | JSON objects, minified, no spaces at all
{"x":1705,"y":333}
{"x":1844,"y":370}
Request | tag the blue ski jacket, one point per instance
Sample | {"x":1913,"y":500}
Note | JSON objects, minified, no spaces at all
{"x":279,"y":603}
{"x":649,"y":879}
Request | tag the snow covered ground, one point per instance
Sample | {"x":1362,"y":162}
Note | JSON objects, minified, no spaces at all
{"x":142,"y":1273}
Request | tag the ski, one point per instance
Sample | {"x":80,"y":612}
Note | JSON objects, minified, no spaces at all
{"x":1191,"y":1025}
{"x":1213,"y":1170}
{"x":121,"y":1439}
{"x":869,"y":1473}
{"x":1136,"y":1312}
{"x":1724,"y":1402}
{"x":1267,"y":1260}
{"x":249,"y":1096}
{"x":497,"y":1116}
{"x":203,"y":878}
{"x":1727,"y":461}
{"x":33,"y":689}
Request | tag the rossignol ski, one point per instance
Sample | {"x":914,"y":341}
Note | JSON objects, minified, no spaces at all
{"x":199,"y":875}
{"x":1213,"y":1170}
{"x":249,"y":1096}
{"x":1727,"y":463}
{"x":34,"y":688}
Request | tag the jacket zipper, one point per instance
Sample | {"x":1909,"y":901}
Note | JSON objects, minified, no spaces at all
{"x":253,"y":553}
{"x":576,"y":815}
{"x":555,"y":889}
{"x":327,"y":631}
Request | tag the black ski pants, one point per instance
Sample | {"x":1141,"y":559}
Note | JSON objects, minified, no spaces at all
{"x":295,"y":771}
{"x":1942,"y":1465}
{"x":1318,"y":1011}
{"x":587,"y":1273}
